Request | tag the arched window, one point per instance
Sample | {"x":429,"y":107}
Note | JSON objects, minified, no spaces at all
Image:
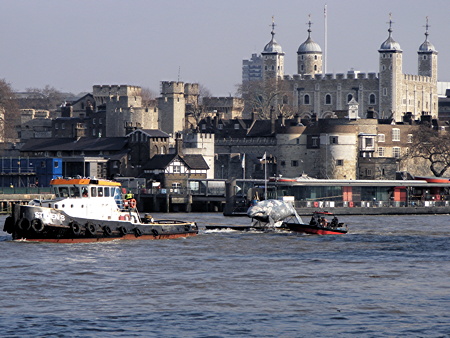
{"x":328,"y":99}
{"x":349,"y":97}
{"x":156,"y":149}
{"x":306,"y":99}
{"x":315,"y":67}
{"x":372,"y":99}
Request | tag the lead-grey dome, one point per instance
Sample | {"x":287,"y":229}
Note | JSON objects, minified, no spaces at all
{"x":390,"y":44}
{"x":309,"y":46}
{"x":427,"y":46}
{"x":273,"y":47}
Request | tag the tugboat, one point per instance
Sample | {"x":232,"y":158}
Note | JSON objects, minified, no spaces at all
{"x":319,"y":225}
{"x":88,"y":210}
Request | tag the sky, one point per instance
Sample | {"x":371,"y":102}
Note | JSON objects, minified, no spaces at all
{"x":72,"y":45}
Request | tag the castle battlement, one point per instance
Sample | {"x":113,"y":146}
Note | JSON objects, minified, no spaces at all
{"x":119,"y":90}
{"x":417,"y":78}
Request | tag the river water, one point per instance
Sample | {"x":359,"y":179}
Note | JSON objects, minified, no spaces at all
{"x":389,"y":276}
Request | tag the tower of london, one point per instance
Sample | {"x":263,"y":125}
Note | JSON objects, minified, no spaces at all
{"x":389,"y":93}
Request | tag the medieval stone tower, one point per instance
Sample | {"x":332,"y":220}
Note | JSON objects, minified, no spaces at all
{"x":273,"y":59}
{"x":427,"y":58}
{"x":172,"y":104}
{"x":117,"y":106}
{"x":390,"y":77}
{"x":309,"y":56}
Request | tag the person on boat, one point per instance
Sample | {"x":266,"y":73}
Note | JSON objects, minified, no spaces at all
{"x":129,"y":195}
{"x":334,"y":222}
{"x":84,"y":192}
{"x":313,"y":221}
{"x":323,"y":221}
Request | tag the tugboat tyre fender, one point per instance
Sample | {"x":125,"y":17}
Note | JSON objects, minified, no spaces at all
{"x":137,"y":232}
{"x":9,"y":225}
{"x":155,"y":232}
{"x":90,"y":228}
{"x":37,"y":225}
{"x":187,"y":227}
{"x":123,"y":230}
{"x":316,"y":204}
{"x":107,"y":230}
{"x":75,"y":227}
{"x":24,"y":224}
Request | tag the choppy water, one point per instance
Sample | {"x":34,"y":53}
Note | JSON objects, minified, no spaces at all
{"x":388,"y":277}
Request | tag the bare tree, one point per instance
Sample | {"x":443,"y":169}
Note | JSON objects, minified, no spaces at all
{"x":10,"y":114}
{"x":433,"y":146}
{"x":53,"y":98}
{"x":262,"y":95}
{"x":148,"y":97}
{"x":195,"y":108}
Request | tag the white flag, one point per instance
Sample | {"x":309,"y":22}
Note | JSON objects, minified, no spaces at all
{"x":243,"y":161}
{"x":263,"y":158}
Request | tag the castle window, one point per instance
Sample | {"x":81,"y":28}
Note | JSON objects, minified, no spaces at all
{"x":349,"y":97}
{"x":294,"y":163}
{"x":368,"y":172}
{"x":283,"y":163}
{"x":385,"y":91}
{"x":372,"y":99}
{"x":333,"y":140}
{"x":381,"y":151}
{"x":328,"y":99}
{"x":236,"y":126}
{"x":273,"y":67}
{"x":301,"y":68}
{"x":381,"y":137}
{"x":220,"y":126}
{"x":315,"y":67}
{"x":339,"y":162}
{"x":93,"y":121}
{"x":396,"y":152}
{"x":306,"y":99}
{"x":395,"y":134}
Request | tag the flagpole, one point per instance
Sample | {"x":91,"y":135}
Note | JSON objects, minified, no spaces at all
{"x":265,"y":176}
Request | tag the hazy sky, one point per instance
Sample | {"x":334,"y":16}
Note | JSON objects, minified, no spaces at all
{"x":73,"y":45}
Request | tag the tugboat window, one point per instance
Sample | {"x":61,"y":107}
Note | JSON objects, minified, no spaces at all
{"x":93,"y":192}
